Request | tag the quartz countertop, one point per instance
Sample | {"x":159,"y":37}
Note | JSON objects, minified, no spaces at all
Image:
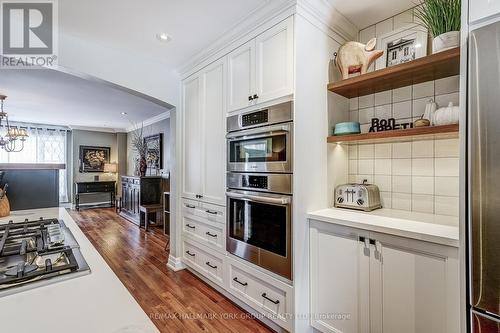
{"x":97,"y":302}
{"x":438,"y":229}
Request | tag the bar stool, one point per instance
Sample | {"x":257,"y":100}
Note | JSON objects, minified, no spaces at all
{"x":147,"y":210}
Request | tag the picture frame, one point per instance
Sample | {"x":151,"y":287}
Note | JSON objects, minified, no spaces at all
{"x":92,"y":159}
{"x":402,"y":45}
{"x":154,"y":154}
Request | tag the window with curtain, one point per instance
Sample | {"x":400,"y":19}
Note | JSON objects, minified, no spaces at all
{"x":44,"y":145}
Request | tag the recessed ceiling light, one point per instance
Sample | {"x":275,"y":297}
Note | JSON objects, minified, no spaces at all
{"x":163,"y":37}
{"x":124,"y":113}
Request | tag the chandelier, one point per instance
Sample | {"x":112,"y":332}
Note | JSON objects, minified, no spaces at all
{"x":13,"y":140}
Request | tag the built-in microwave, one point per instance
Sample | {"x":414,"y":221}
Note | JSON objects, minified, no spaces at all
{"x":261,"y":141}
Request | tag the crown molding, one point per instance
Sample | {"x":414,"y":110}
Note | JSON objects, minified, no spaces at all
{"x":324,"y":15}
{"x":97,"y":129}
{"x":241,"y":32}
{"x":150,"y":121}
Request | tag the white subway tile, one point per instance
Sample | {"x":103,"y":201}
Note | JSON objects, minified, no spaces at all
{"x":401,"y":201}
{"x":362,"y":178}
{"x":422,"y":185}
{"x":401,"y":150}
{"x":366,"y":101}
{"x":422,"y":167}
{"x":365,"y":128}
{"x":354,"y":115}
{"x":446,"y":206}
{"x":402,"y":110}
{"x":447,"y":186}
{"x":366,"y":115}
{"x":353,"y":152}
{"x":424,"y":89}
{"x":447,"y":85}
{"x":353,"y":104}
{"x":383,"y":166}
{"x":422,"y":203}
{"x":383,"y":111}
{"x":403,"y":19}
{"x":401,"y":167}
{"x":386,"y":199}
{"x":366,"y":151}
{"x":353,"y":167}
{"x":383,"y":150}
{"x":447,"y":148}
{"x":365,"y":167}
{"x":443,"y":100}
{"x":401,"y":184}
{"x":384,"y":183}
{"x":422,"y":148}
{"x":383,"y":98}
{"x":447,"y":167}
{"x":352,"y":178}
{"x":419,"y":107}
{"x":401,"y":94}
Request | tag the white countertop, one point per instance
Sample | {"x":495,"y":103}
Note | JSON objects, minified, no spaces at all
{"x":427,"y":227}
{"x":97,"y":302}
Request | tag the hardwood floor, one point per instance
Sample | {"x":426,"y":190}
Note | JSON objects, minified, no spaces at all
{"x":175,"y":301}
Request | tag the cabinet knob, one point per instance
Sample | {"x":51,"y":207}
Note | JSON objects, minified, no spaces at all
{"x":255,"y":96}
{"x":250,"y":98}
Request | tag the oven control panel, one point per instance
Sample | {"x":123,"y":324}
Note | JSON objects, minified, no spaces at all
{"x":258,"y":182}
{"x":255,"y":118}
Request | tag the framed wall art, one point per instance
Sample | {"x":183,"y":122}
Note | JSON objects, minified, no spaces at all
{"x":154,"y":153}
{"x":92,"y":159}
{"x":402,"y":45}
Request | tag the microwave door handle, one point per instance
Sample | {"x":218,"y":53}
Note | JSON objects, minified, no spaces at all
{"x":247,"y":197}
{"x":260,"y":132}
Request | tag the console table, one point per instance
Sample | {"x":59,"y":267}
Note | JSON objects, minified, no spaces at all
{"x":93,"y":188}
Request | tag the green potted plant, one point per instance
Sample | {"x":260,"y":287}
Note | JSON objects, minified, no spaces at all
{"x":442,"y":19}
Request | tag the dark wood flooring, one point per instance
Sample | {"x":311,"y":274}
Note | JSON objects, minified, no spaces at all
{"x":175,"y":301}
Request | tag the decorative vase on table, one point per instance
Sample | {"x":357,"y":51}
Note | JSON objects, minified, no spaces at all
{"x":143,"y":166}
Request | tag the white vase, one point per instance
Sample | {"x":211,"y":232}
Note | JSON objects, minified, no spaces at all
{"x":446,"y":41}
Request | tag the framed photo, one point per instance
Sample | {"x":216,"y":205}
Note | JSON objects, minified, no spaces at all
{"x":92,"y":159}
{"x":402,"y":45}
{"x":154,"y":154}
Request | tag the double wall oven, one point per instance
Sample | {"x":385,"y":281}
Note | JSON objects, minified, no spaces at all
{"x":259,"y":187}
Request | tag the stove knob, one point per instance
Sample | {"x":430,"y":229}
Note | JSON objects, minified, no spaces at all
{"x":360,"y":202}
{"x":340,"y":199}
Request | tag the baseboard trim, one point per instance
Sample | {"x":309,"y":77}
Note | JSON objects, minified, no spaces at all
{"x":175,"y":263}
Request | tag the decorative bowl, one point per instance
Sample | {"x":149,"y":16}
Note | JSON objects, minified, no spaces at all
{"x":351,"y":127}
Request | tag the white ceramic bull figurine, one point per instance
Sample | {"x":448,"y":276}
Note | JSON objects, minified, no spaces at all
{"x":354,"y":57}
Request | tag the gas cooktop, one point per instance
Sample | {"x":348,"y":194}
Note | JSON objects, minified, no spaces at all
{"x":35,"y":253}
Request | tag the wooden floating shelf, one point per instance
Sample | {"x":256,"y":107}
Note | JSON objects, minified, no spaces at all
{"x":418,"y":133}
{"x":432,"y":67}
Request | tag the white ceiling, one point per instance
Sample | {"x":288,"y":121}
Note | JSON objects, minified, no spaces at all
{"x":364,"y":13}
{"x":50,"y":97}
{"x":132,"y":25}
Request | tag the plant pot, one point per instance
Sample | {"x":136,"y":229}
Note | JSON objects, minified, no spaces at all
{"x":446,"y":41}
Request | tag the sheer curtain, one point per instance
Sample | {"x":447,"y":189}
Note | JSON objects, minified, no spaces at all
{"x":44,"y":145}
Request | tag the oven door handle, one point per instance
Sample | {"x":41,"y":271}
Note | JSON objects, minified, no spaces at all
{"x":248,"y":197}
{"x":259,"y":132}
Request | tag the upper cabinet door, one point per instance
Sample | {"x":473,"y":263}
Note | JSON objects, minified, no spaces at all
{"x":274,"y":63}
{"x":241,"y":76}
{"x":479,"y":9}
{"x":214,"y":130}
{"x":191,"y":152}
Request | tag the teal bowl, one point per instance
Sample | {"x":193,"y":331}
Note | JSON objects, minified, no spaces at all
{"x":351,"y":127}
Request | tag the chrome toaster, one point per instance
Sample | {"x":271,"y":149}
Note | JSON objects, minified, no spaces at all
{"x":358,"y":196}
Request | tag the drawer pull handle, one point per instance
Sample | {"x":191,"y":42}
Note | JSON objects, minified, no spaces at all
{"x":211,"y":212}
{"x":190,"y":226}
{"x":190,"y":254}
{"x":211,"y":235}
{"x":209,"y":265}
{"x":190,"y":206}
{"x":238,"y":281}
{"x":270,"y":300}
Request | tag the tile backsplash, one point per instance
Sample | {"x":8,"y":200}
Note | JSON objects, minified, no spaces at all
{"x":420,"y":176}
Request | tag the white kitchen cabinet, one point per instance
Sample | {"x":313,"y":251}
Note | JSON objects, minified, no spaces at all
{"x":382,"y":283}
{"x":204,"y":135}
{"x":262,"y":69}
{"x":480,"y":9}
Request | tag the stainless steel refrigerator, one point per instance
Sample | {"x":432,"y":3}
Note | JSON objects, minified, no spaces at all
{"x":484,"y":179}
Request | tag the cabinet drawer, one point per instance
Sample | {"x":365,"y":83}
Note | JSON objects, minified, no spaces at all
{"x":214,"y":213}
{"x":213,"y":236}
{"x":264,"y":293}
{"x":206,"y":262}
